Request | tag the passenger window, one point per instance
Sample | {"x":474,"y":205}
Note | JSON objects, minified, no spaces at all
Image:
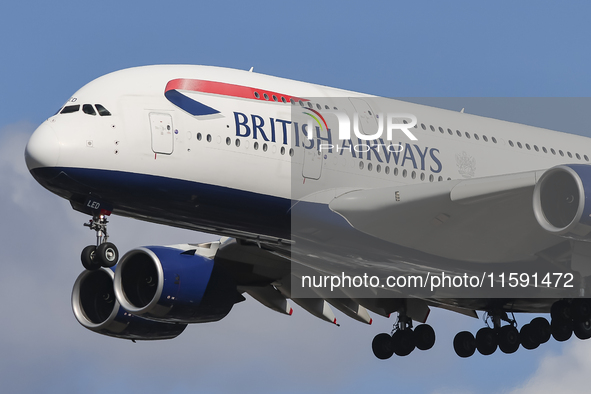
{"x":70,"y":109}
{"x":88,"y":109}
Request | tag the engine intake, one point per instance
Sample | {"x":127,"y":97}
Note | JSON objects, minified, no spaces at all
{"x":560,"y":201}
{"x":96,"y":308}
{"x":174,"y":285}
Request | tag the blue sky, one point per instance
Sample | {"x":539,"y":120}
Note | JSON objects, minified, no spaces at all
{"x":395,"y":49}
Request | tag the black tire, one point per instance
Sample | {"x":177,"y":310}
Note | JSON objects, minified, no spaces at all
{"x":464,"y":344}
{"x":582,"y":329}
{"x":508,"y":339}
{"x":527,"y":337}
{"x":107,"y":254}
{"x":581,"y":309}
{"x":561,"y":310}
{"x":88,"y":258}
{"x":404,"y":342}
{"x":382,"y":346}
{"x":486,"y":341}
{"x":424,"y":337}
{"x":562,"y":330}
{"x":541,"y":330}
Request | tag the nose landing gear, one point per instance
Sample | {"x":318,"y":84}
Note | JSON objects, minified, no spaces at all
{"x":103,"y":254}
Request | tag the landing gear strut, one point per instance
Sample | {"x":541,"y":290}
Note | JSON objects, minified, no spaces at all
{"x":103,"y":254}
{"x":403,"y":339}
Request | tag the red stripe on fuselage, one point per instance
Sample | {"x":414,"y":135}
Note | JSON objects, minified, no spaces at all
{"x":227,"y":89}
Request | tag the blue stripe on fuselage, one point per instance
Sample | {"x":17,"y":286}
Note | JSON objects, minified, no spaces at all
{"x":193,"y":107}
{"x":168,"y":200}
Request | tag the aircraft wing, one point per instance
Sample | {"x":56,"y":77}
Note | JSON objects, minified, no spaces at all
{"x":463,"y":220}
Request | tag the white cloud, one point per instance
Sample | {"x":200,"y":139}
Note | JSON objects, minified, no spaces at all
{"x":567,"y":372}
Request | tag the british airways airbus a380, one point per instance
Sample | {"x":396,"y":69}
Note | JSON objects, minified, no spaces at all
{"x":404,"y":208}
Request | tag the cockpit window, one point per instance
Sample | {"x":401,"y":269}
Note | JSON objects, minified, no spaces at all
{"x":88,"y":109}
{"x":68,"y":109}
{"x":102,"y":110}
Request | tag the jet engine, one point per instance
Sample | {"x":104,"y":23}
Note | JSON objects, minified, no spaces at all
{"x":174,"y":285}
{"x":562,"y":201}
{"x":96,"y":308}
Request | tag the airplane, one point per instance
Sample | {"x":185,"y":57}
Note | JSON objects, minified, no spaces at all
{"x":323,"y":197}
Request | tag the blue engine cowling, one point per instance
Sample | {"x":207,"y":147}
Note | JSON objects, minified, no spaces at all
{"x":174,"y":285}
{"x":562,"y":201}
{"x":96,"y":308}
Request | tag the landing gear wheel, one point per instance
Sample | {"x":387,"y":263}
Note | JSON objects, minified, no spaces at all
{"x":464,"y":344}
{"x":583,"y":329}
{"x":562,"y":330}
{"x":88,"y":258}
{"x":561,"y":310}
{"x":404,"y":342}
{"x":527,"y":337}
{"x":508,"y":339}
{"x":540,"y":330}
{"x":106,"y":254}
{"x":486,"y":341}
{"x":424,"y":337}
{"x":581,"y":309}
{"x":382,"y":346}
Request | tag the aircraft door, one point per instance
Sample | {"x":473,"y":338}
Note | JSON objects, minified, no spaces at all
{"x":313,"y":160}
{"x":162,"y":133}
{"x":368,"y":123}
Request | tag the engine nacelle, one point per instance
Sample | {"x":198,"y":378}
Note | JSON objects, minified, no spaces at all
{"x":562,"y":201}
{"x":174,"y":285}
{"x":96,"y":308}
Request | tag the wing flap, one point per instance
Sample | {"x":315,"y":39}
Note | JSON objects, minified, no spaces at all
{"x":270,"y":297}
{"x":317,"y":307}
{"x":351,"y":309}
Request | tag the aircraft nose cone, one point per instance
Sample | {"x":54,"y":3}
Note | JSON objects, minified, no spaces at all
{"x":43,"y":148}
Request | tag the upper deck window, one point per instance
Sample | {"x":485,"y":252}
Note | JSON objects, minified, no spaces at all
{"x":68,"y":109}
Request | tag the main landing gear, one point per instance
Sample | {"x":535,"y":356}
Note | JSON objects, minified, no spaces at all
{"x":506,"y":338}
{"x":403,"y":339}
{"x":568,"y":316}
{"x":571,"y":316}
{"x":103,"y":254}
